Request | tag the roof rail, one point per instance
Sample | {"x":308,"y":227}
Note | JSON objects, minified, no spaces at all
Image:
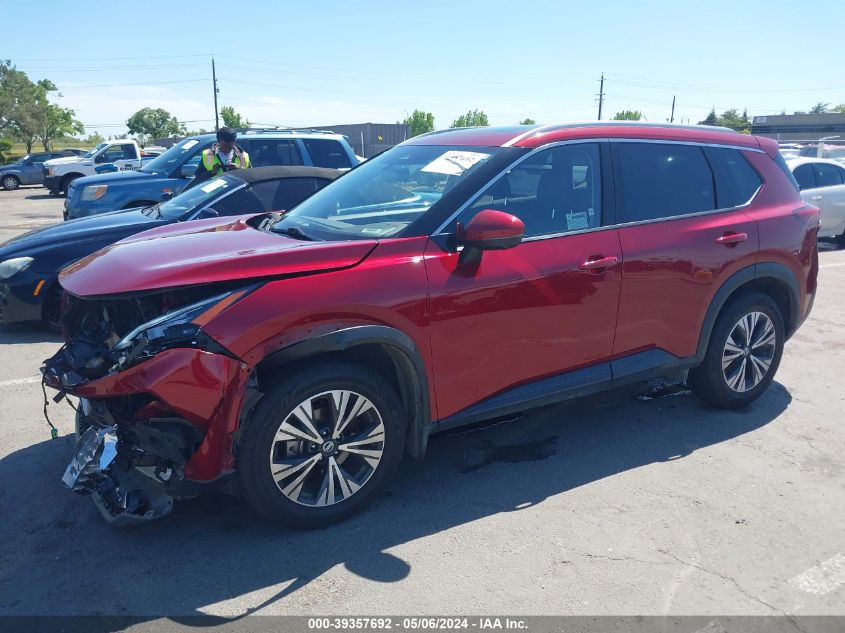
{"x":288,"y":130}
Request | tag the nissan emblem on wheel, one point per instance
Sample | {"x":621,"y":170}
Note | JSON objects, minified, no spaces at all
{"x":460,"y":277}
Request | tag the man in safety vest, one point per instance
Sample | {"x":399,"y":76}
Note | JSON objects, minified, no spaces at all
{"x":224,"y":155}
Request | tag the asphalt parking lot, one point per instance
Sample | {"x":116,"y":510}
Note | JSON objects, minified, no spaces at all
{"x":609,"y":505}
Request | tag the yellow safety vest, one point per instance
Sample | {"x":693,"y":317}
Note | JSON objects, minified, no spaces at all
{"x":211,"y":161}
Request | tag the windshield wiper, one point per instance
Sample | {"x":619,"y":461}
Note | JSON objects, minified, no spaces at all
{"x":292,"y":231}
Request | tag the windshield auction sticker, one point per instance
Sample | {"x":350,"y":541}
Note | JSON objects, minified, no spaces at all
{"x":214,"y":185}
{"x":454,"y":163}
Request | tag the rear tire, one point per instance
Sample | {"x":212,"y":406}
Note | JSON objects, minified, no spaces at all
{"x":743,"y":354}
{"x":10,"y":183}
{"x":361,"y":428}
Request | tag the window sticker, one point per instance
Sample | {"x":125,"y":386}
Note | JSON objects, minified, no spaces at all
{"x":214,"y":185}
{"x":575,"y":221}
{"x":454,"y":163}
{"x":189,"y":144}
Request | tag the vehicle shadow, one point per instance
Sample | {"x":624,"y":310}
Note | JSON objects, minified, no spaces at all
{"x":25,"y":333}
{"x":57,"y":557}
{"x":41,"y":196}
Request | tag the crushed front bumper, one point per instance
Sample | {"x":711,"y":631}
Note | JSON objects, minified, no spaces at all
{"x":123,"y":494}
{"x":170,"y":422}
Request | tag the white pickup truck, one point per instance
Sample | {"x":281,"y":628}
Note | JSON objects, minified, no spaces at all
{"x":60,"y":172}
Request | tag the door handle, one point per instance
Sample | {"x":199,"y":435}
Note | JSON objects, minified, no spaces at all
{"x":732,"y":238}
{"x":601,"y":262}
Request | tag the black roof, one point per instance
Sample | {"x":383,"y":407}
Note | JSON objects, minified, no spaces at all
{"x":273,"y":172}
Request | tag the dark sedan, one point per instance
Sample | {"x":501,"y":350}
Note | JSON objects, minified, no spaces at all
{"x":30,"y":264}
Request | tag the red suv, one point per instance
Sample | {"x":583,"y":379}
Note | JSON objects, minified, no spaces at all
{"x":460,"y":276}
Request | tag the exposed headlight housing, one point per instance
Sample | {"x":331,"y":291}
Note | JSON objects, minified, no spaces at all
{"x":13,"y":266}
{"x":94,"y":192}
{"x":49,"y":171}
{"x":179,"y":328}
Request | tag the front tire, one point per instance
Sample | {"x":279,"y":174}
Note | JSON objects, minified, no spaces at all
{"x":10,"y":183}
{"x":321,"y":444}
{"x":743,"y":354}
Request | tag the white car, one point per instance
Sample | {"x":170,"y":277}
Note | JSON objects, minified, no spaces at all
{"x":822,"y":183}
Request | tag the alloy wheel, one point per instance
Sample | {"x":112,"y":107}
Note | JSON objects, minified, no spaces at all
{"x":10,"y":183}
{"x":749,"y":351}
{"x":327,"y":448}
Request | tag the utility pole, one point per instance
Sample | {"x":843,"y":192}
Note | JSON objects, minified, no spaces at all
{"x":216,"y":90}
{"x":601,"y":94}
{"x":672,"y":116}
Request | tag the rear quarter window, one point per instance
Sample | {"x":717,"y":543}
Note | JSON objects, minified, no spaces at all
{"x":736,"y":180}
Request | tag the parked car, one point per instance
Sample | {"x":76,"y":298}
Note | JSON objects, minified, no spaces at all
{"x":29,"y":170}
{"x":460,"y":276}
{"x":822,"y":184}
{"x":30,"y":264}
{"x":174,"y":169}
{"x":59,"y":173}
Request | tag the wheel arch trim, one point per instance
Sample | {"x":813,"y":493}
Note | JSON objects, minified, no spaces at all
{"x":404,"y":355}
{"x":760,"y":271}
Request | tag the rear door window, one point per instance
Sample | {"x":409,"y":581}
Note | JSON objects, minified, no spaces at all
{"x":326,"y":152}
{"x":827,"y":175}
{"x":736,"y":180}
{"x":263,"y":153}
{"x":805,"y":176}
{"x":657,"y":180}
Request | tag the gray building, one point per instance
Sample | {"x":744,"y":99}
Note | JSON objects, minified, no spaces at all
{"x":799,"y":127}
{"x":368,"y":139}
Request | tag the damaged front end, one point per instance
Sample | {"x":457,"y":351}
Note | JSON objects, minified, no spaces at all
{"x":159,"y":399}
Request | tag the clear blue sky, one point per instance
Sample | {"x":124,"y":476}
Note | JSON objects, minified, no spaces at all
{"x":318,"y":63}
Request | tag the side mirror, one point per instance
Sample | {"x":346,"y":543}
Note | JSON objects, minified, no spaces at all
{"x":167,"y":195}
{"x":208,"y":212}
{"x":492,"y":230}
{"x":188,"y":171}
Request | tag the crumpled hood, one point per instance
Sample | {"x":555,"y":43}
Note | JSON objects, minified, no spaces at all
{"x":204,"y":251}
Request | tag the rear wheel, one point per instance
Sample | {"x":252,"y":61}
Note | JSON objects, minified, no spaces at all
{"x":743,"y":354}
{"x":10,"y":183}
{"x":321,"y":444}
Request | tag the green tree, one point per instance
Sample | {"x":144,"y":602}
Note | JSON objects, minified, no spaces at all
{"x":840,"y":108}
{"x":232,"y":118}
{"x":22,"y":104}
{"x":95,"y":139}
{"x":154,"y":123}
{"x":736,"y":121}
{"x":711,"y":119}
{"x":473,"y":118}
{"x":5,"y":146}
{"x":628,"y":115}
{"x":528,"y":122}
{"x":419,"y":122}
{"x":820,"y":108}
{"x":58,"y":122}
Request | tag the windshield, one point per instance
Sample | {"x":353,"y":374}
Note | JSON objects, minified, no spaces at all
{"x":90,"y":153}
{"x":385,"y":194}
{"x":172,"y":157}
{"x":195,"y":197}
